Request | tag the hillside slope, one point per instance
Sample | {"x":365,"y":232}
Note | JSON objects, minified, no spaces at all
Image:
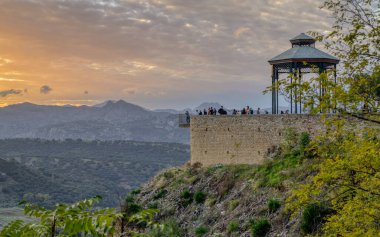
{"x":227,"y":200}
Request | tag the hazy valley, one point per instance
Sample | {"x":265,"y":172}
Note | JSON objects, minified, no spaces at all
{"x":47,"y":172}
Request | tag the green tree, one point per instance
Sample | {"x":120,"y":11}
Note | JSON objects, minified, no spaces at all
{"x":64,"y":220}
{"x":346,"y":174}
{"x":80,"y":219}
{"x":348,"y":179}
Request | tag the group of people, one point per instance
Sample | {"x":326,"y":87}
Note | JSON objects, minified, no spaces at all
{"x":246,"y":110}
{"x":212,"y":111}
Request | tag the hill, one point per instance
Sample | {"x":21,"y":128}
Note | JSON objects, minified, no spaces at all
{"x":224,"y":200}
{"x":112,"y":120}
{"x":48,"y":172}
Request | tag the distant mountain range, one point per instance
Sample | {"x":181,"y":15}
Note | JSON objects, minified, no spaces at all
{"x":111,"y":120}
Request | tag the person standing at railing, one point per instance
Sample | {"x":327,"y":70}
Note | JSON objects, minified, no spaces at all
{"x":222,"y":111}
{"x":187,"y":116}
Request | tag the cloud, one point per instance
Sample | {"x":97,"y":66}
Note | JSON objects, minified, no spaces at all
{"x":45,"y":89}
{"x":10,"y":79}
{"x":6,"y":93}
{"x":129,"y":91}
{"x":241,"y":30}
{"x":175,"y":46}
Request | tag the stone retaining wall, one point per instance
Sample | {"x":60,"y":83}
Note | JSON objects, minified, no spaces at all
{"x":244,"y":139}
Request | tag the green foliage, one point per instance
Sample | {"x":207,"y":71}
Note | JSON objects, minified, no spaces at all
{"x":347,"y":179}
{"x":304,"y":140}
{"x":233,"y":226}
{"x":199,"y":197}
{"x":160,"y":194}
{"x":168,"y":175}
{"x":130,"y":207}
{"x":186,"y":197}
{"x":260,"y":228}
{"x":65,"y":220}
{"x":171,"y":229}
{"x":153,"y":205}
{"x":233,"y":204}
{"x":273,"y":205}
{"x":210,"y":201}
{"x":186,"y":194}
{"x":346,"y":176}
{"x":270,"y":174}
{"x":201,"y":231}
{"x":313,"y":217}
{"x":136,"y":191}
{"x":293,"y":151}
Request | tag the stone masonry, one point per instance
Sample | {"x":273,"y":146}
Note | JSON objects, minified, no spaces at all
{"x":235,"y":139}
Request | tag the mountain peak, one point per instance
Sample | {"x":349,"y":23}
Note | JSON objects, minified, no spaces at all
{"x":120,"y":105}
{"x":24,"y":105}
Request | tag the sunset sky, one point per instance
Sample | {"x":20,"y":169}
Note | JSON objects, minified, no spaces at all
{"x":154,"y":53}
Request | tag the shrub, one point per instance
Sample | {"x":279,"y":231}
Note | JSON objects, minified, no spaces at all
{"x":273,"y":205}
{"x":172,"y":229}
{"x":233,"y":226}
{"x":186,"y":194}
{"x":130,"y":206}
{"x":313,"y":217}
{"x":133,"y":208}
{"x":129,"y":199}
{"x":304,"y":140}
{"x":136,"y":191}
{"x":152,"y":205}
{"x":201,"y":231}
{"x":186,"y":197}
{"x":168,"y":175}
{"x":199,"y":197}
{"x":233,"y":204}
{"x":160,"y":194}
{"x":260,"y":228}
{"x":291,"y":139}
{"x":210,"y":201}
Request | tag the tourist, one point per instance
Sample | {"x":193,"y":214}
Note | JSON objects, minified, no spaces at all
{"x":234,"y":112}
{"x":258,"y":111}
{"x":247,"y":110}
{"x":187,"y":116}
{"x":222,"y":111}
{"x":204,"y":112}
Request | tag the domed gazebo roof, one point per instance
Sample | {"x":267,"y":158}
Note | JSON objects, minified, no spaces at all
{"x":303,"y":50}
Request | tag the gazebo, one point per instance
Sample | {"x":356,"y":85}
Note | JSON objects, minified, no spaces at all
{"x":302,"y":58}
